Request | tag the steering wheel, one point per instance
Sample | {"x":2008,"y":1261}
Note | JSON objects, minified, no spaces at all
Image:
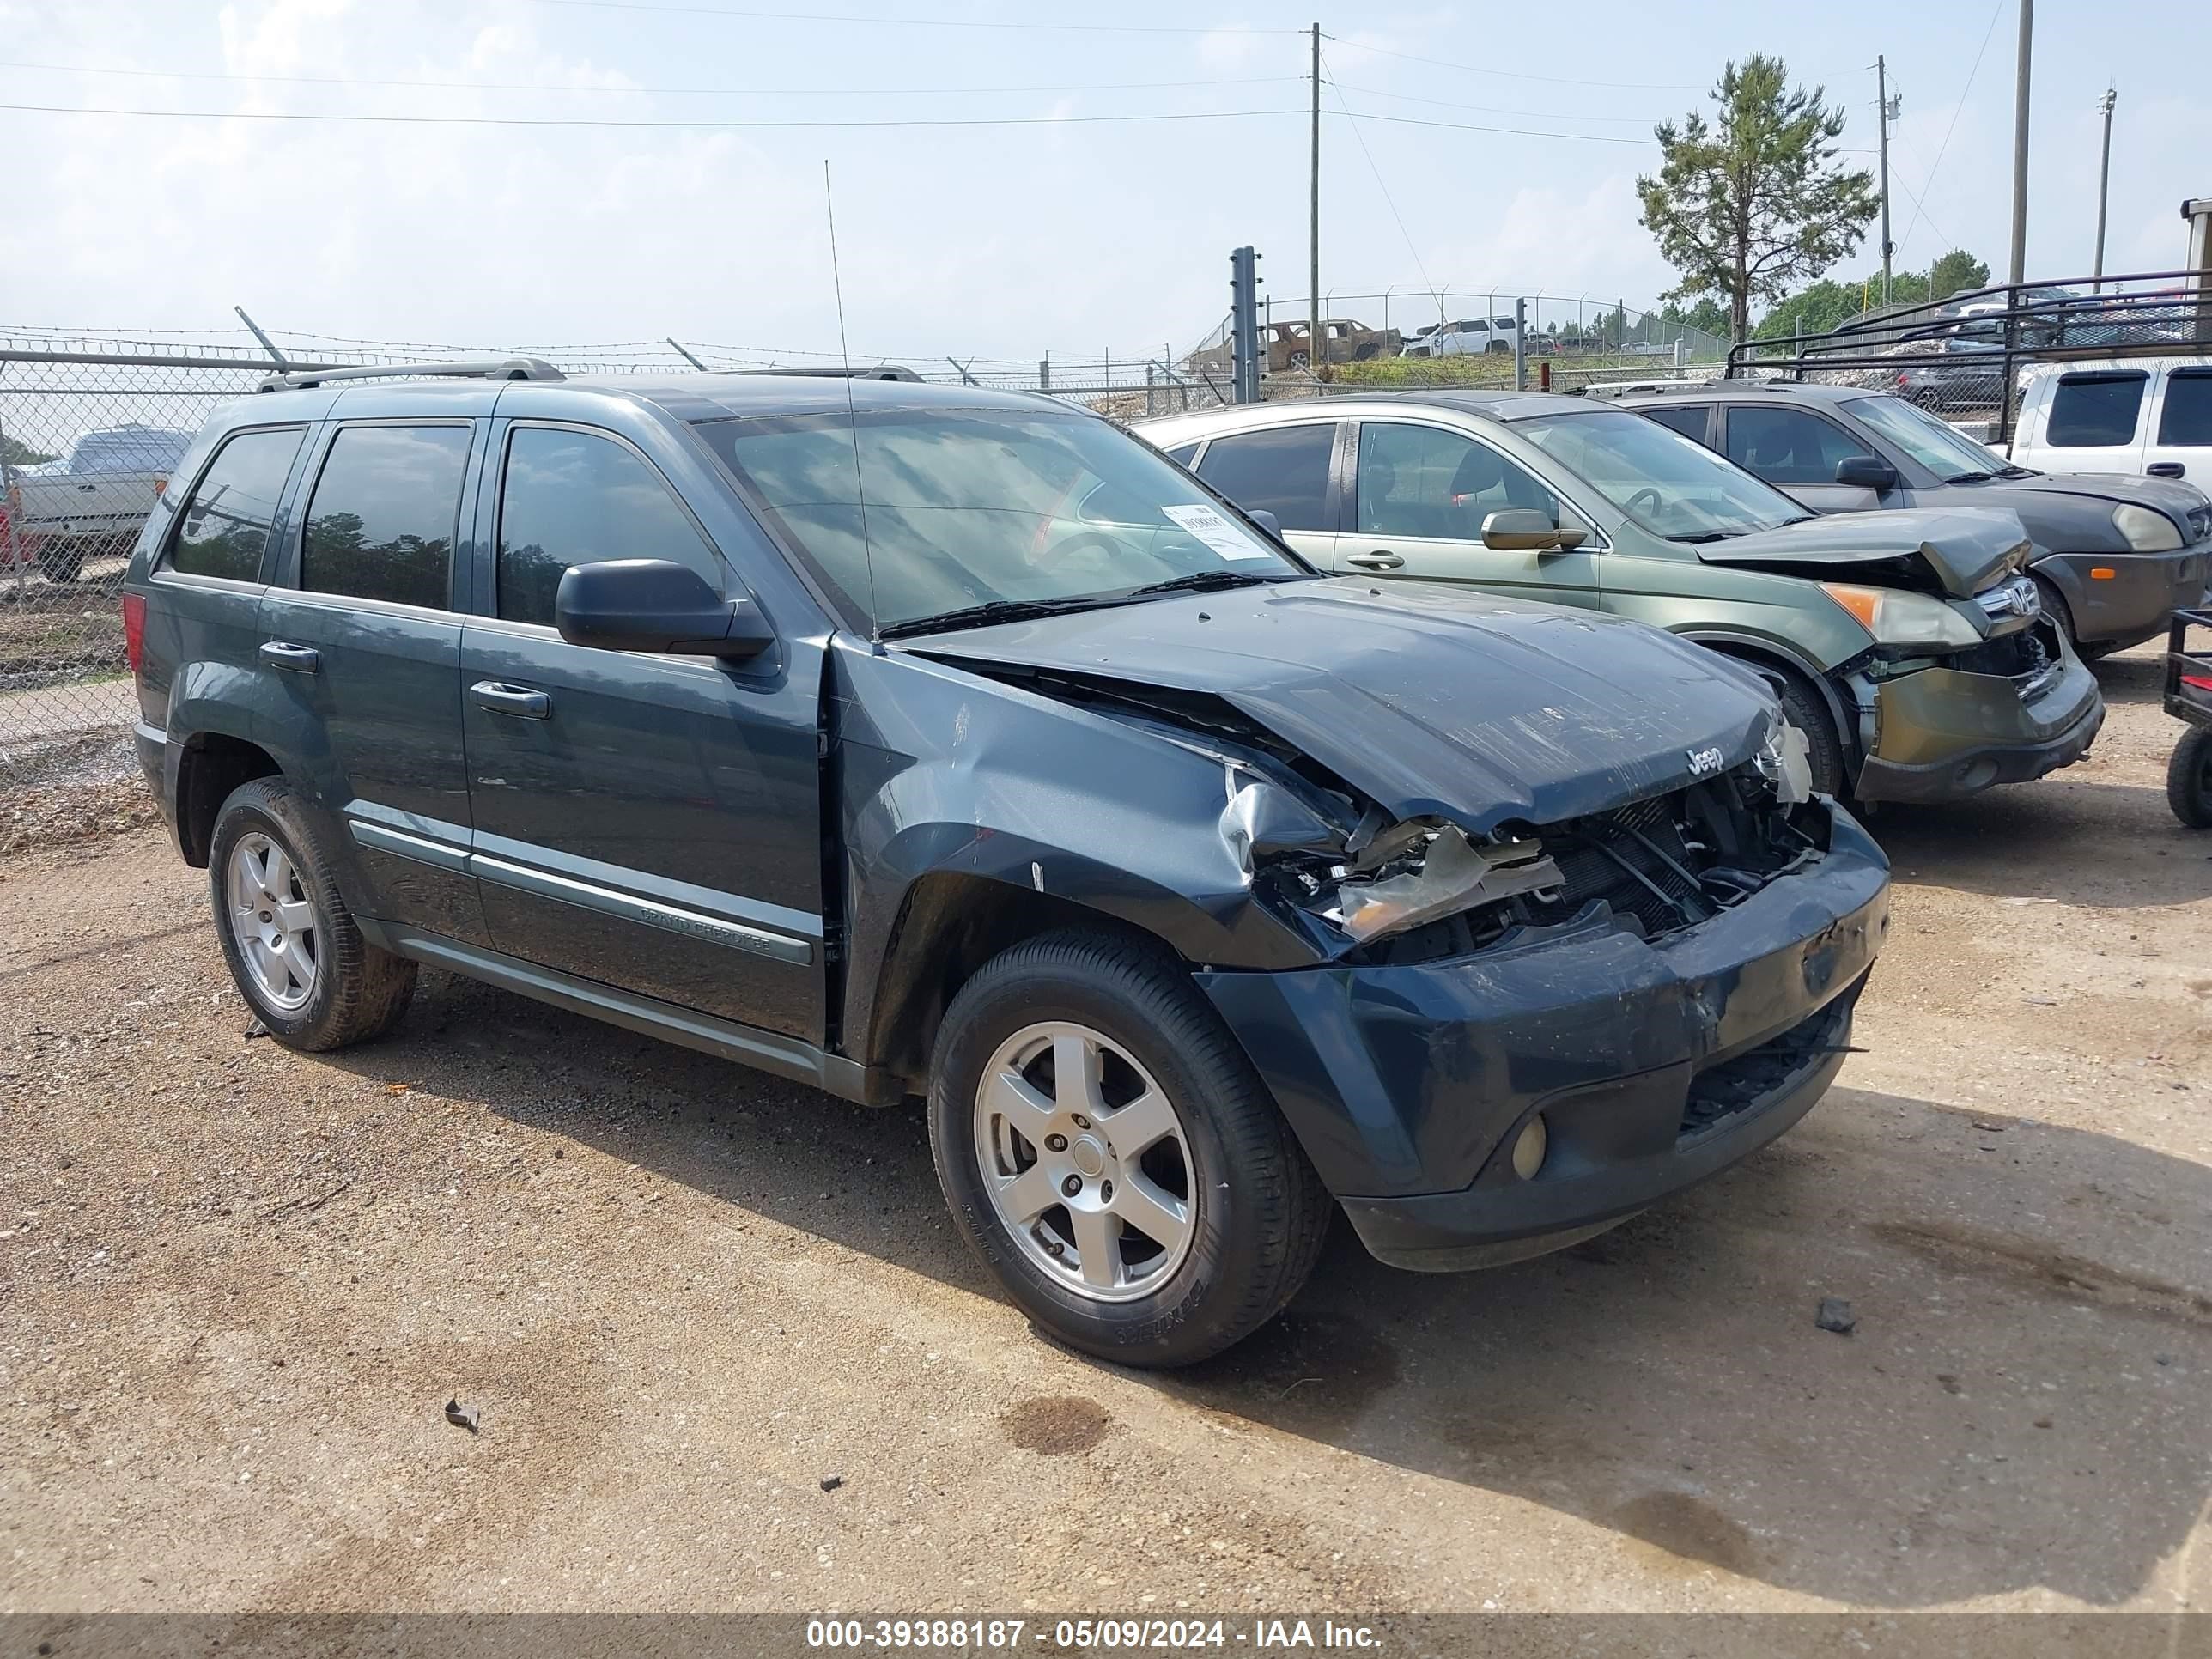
{"x":1630,"y":504}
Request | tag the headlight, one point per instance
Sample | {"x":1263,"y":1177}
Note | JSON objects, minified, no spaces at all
{"x":1785,"y":761}
{"x":1896,"y":617}
{"x":2147,"y":530}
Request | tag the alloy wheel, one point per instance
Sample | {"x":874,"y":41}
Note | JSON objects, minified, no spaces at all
{"x":273,"y":922}
{"x":1086,"y":1162}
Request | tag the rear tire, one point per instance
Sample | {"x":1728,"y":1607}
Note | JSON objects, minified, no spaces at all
{"x":293,"y":946}
{"x":2189,"y":778}
{"x":61,"y":565}
{"x":1219,"y":1217}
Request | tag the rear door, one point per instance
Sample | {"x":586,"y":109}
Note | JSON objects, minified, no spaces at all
{"x":1288,"y":471}
{"x":361,"y":636}
{"x":1797,"y":451}
{"x":1421,"y":494}
{"x":2095,"y":421}
{"x":2180,"y":426}
{"x":653,"y":822}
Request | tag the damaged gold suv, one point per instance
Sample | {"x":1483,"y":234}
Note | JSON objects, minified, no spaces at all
{"x":1908,"y":646}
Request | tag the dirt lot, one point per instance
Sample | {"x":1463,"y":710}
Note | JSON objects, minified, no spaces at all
{"x":237,"y":1287}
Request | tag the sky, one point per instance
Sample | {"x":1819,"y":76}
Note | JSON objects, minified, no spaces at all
{"x":1060,"y":233}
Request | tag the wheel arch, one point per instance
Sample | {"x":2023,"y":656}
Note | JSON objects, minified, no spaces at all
{"x":1757,"y":652}
{"x":209,"y":765}
{"x":948,"y":925}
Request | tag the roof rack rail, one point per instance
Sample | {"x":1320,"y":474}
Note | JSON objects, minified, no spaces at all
{"x":878,"y":371}
{"x":481,"y":368}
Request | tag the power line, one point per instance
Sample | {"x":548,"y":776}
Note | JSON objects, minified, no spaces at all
{"x":904,"y":22}
{"x":1486,"y":109}
{"x":1382,"y":185}
{"x":1521,"y":132}
{"x":1919,"y":208}
{"x":587,"y":121}
{"x":1473,"y":69}
{"x":710,"y":125}
{"x":672,"y":92}
{"x":1928,"y":183}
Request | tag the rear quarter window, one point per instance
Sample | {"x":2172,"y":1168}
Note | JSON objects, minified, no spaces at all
{"x":224,"y":526}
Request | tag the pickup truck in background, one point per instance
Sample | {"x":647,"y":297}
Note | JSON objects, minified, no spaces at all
{"x":61,"y":514}
{"x":2145,"y":416}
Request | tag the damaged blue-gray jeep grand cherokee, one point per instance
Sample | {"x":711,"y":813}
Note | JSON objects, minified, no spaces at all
{"x":909,"y":740}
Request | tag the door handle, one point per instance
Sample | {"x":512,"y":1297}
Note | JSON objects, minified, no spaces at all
{"x":2166,"y":469}
{"x":293,"y":658}
{"x":520,"y":701}
{"x":1377,"y":560}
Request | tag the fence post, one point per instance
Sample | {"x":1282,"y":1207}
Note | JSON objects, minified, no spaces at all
{"x":1521,"y":345}
{"x":1044,"y":374}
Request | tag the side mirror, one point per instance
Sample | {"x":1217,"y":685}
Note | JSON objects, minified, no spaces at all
{"x":1866,"y":472}
{"x":655,"y":605}
{"x":1524,"y":529}
{"x":1266,"y":521}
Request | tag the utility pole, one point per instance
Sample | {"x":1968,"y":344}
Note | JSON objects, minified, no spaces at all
{"x":1887,"y":114}
{"x":2103,"y":179}
{"x":2018,"y":266}
{"x":1317,"y":348}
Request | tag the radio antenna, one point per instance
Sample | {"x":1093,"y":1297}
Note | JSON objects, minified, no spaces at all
{"x":852,"y":414}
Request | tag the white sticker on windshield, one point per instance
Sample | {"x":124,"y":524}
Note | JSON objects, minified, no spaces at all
{"x":1217,"y":532}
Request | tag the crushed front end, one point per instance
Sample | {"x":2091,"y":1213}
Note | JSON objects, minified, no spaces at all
{"x":1619,"y":1006}
{"x":2015,"y":705}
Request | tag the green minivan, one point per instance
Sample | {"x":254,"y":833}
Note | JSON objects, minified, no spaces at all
{"x":1910,"y":647}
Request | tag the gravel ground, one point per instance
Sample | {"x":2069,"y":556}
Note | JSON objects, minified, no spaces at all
{"x":238,"y":1286}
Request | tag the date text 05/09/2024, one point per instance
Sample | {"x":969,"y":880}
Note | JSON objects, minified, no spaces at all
{"x":1257,"y":1636}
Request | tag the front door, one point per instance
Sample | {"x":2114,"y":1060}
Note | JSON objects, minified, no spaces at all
{"x":652,"y":822}
{"x":1797,"y":451}
{"x":362,"y":640}
{"x":2180,"y":444}
{"x":1422,"y":495}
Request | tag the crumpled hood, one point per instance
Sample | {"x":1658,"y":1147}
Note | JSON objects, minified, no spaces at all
{"x":1965,"y":549}
{"x":1432,"y":702}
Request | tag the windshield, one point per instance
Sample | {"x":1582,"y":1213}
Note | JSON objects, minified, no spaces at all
{"x":1672,"y":486}
{"x":953,"y":508}
{"x":1940,"y":447}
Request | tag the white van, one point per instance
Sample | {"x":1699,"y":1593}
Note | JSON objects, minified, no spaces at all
{"x":2142,"y":415}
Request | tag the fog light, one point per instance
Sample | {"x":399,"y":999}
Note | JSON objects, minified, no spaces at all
{"x":1528,"y":1148}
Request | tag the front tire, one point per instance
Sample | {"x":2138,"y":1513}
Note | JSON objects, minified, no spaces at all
{"x":293,"y":946}
{"x":1112,"y":1157}
{"x":2189,"y":778}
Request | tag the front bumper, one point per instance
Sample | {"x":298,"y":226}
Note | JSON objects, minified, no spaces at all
{"x":1942,"y":734}
{"x":2130,"y":602}
{"x":1406,"y":1085}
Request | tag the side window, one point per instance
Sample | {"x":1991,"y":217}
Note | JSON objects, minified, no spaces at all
{"x":1283,"y":471}
{"x":1788,"y":446}
{"x":1421,"y":480}
{"x":381,"y":522}
{"x":1688,"y":419}
{"x":226,"y":523}
{"x":575,"y":498}
{"x":1181,"y":454}
{"x":2187,"y":416}
{"x":2094,"y":408}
